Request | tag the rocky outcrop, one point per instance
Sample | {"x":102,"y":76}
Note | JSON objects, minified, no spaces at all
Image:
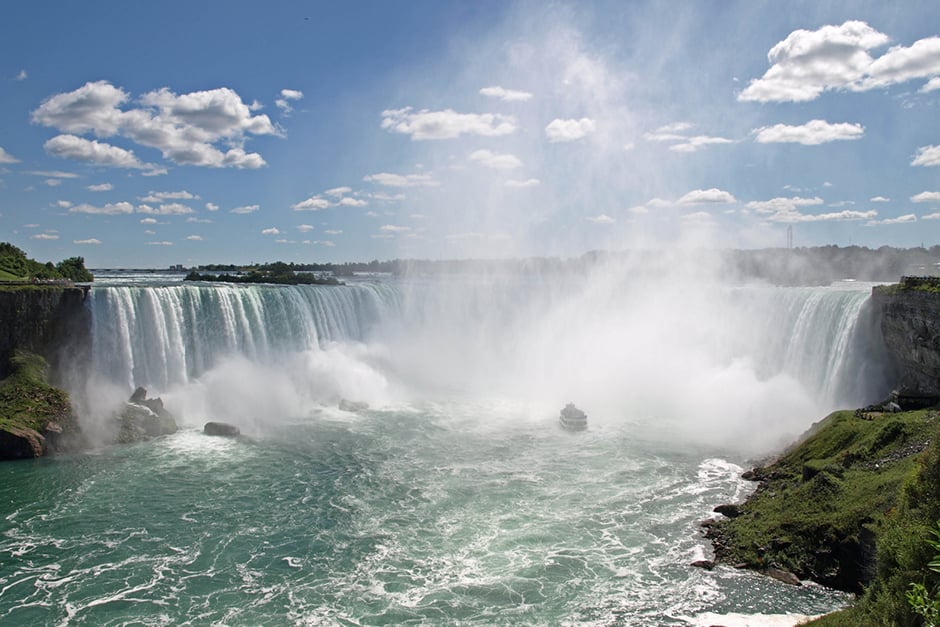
{"x":221,"y":429}
{"x":910,"y":324}
{"x":143,"y":418}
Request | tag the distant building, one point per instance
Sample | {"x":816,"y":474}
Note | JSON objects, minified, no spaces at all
{"x":178,"y":267}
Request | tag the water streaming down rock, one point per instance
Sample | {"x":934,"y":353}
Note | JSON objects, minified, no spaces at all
{"x":512,"y":335}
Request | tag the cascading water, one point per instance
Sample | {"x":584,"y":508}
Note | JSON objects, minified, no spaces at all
{"x":455,"y":498}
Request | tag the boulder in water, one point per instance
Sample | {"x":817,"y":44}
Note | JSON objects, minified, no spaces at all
{"x":353,"y":406}
{"x":143,"y":418}
{"x":222,"y":429}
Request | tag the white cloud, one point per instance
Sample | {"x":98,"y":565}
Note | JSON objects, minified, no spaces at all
{"x":910,"y":217}
{"x":168,"y":209}
{"x":272,"y":231}
{"x":927,"y":156}
{"x":93,"y":241}
{"x":796,"y":216}
{"x":698,"y":216}
{"x":352,"y":202}
{"x":926,"y":197}
{"x":211,"y":206}
{"x":54,"y":173}
{"x":283,"y":103}
{"x":399,"y":180}
{"x":158,"y":197}
{"x":92,"y":151}
{"x":194,"y":238}
{"x":338,"y":191}
{"x":246,"y":209}
{"x":812,"y":133}
{"x":776,"y":205}
{"x":879,"y":199}
{"x":6,"y":157}
{"x":931,"y":216}
{"x":393,"y":228}
{"x":522,"y":184}
{"x":692,"y":144}
{"x":508,"y":95}
{"x":314,"y":203}
{"x":700,"y":196}
{"x":333,"y":232}
{"x":324,"y":242}
{"x":149,"y":232}
{"x":184,"y":128}
{"x":45,"y":236}
{"x":63,"y":204}
{"x":601,"y":219}
{"x":304,"y":228}
{"x":931,"y":85}
{"x":447,"y":124}
{"x":148,"y":220}
{"x":675,"y":127}
{"x":493,"y":160}
{"x":164,"y":243}
{"x":101,"y":187}
{"x":638,"y":210}
{"x":53,"y":182}
{"x":195,"y":220}
{"x":22,"y":75}
{"x":117,"y":208}
{"x":559,"y":130}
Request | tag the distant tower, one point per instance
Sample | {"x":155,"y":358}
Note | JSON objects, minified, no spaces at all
{"x":790,"y":236}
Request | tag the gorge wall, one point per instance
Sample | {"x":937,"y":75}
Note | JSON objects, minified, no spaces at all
{"x":51,"y":321}
{"x":910,"y":324}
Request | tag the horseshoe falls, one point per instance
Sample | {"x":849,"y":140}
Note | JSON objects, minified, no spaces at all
{"x":455,"y":498}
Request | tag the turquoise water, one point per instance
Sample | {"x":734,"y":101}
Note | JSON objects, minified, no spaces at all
{"x":458,"y":513}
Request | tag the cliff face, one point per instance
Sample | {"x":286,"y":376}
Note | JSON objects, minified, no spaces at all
{"x":51,"y":321}
{"x":910,"y":323}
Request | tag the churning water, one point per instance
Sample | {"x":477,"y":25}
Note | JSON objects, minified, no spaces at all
{"x":454,"y":499}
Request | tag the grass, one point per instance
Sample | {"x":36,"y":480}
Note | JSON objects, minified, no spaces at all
{"x":6,"y":275}
{"x":821,"y":503}
{"x":28,"y":401}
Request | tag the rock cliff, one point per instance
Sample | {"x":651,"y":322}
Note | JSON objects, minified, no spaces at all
{"x":910,"y":324}
{"x":51,"y":321}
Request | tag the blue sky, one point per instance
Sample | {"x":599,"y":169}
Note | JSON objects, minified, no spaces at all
{"x":143,"y":135}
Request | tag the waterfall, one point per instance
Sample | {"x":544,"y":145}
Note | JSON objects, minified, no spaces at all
{"x":623,"y":341}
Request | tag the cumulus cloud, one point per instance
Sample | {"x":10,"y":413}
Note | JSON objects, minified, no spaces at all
{"x":111,"y":209}
{"x":95,"y":152}
{"x":812,"y":133}
{"x":926,"y":197}
{"x":45,"y":236}
{"x":931,"y":85}
{"x":352,"y":202}
{"x":910,"y":217}
{"x":796,"y":216}
{"x":559,"y":130}
{"x":394,"y":228}
{"x":168,"y":209}
{"x":338,"y":191}
{"x":694,"y":143}
{"x":522,"y":184}
{"x":807,"y":63}
{"x":158,"y":197}
{"x":185,"y":128}
{"x":931,"y":216}
{"x":927,"y":156}
{"x":601,"y":219}
{"x":494,"y":160}
{"x":401,"y":180}
{"x":701,"y":196}
{"x":148,"y":220}
{"x":879,"y":199}
{"x":6,"y":157}
{"x":101,"y":187}
{"x":314,"y":203}
{"x":63,"y":204}
{"x":93,"y":241}
{"x":508,"y":95}
{"x":246,"y":209}
{"x":776,"y":205}
{"x":211,"y":206}
{"x":163,"y":243}
{"x":283,"y":103}
{"x":304,"y":228}
{"x":272,"y":231}
{"x":446,"y":124}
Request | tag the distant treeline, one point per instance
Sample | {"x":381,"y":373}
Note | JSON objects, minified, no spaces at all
{"x":782,"y":266}
{"x":16,"y":266}
{"x":279,"y":273}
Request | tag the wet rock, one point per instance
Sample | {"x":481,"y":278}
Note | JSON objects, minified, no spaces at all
{"x":353,"y":406}
{"x":784,"y":576}
{"x":221,"y":429}
{"x":706,"y":564}
{"x":730,"y":510}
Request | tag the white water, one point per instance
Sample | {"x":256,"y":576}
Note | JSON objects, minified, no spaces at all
{"x":728,"y":364}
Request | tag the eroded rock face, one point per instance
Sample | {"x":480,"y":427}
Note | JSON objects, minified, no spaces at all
{"x":910,"y":324}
